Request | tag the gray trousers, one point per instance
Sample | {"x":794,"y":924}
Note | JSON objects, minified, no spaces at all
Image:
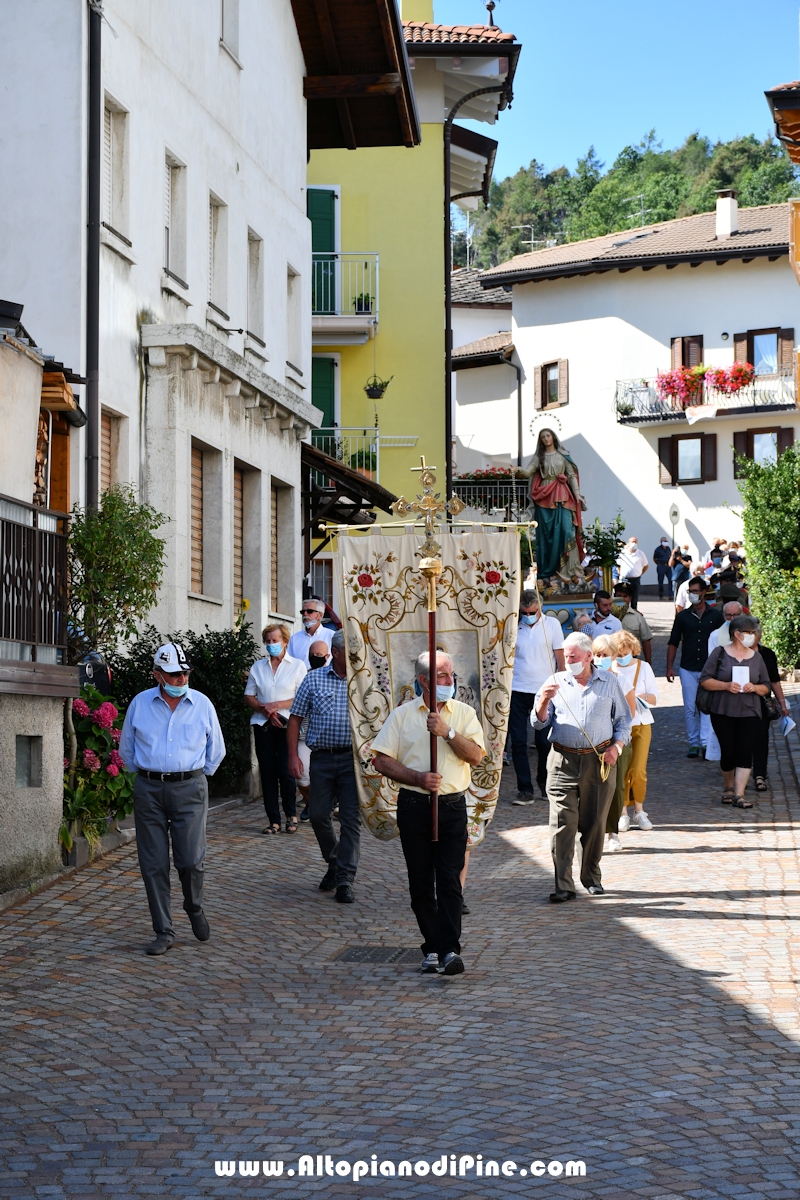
{"x":333,"y":781}
{"x":176,"y":811}
{"x":579,"y":803}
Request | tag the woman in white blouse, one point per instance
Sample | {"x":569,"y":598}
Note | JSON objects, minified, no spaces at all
{"x":270,"y":690}
{"x":639,"y":685}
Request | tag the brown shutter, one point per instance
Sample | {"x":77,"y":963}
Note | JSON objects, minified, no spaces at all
{"x":740,"y":347}
{"x":273,"y":550}
{"x":59,"y":464}
{"x":677,"y":353}
{"x":739,"y":447}
{"x":786,"y":348}
{"x":537,"y":387}
{"x":785,"y":439}
{"x":105,"y":450}
{"x":563,"y":381}
{"x":197,"y":521}
{"x":693,"y":351}
{"x":665,"y":460}
{"x":238,"y":536}
{"x":709,"y":457}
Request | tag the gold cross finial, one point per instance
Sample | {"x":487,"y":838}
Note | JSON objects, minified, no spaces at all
{"x":430,"y":505}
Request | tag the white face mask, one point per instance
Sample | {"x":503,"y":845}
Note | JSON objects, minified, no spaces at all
{"x":748,"y":639}
{"x":695,"y":597}
{"x":576,"y":668}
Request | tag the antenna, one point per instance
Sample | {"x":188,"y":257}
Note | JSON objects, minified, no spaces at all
{"x":490,"y":7}
{"x":530,"y":240}
{"x":642,"y":213}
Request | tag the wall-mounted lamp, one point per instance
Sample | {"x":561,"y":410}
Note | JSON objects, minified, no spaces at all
{"x":725,"y":337}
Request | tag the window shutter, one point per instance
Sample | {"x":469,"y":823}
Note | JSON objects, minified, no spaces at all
{"x":108,"y":153}
{"x":665,"y":460}
{"x":740,"y":347}
{"x":197,"y":521}
{"x":167,"y":211}
{"x":537,"y":387}
{"x":211,"y":231}
{"x":677,"y":353}
{"x":709,"y":460}
{"x":786,"y":348}
{"x":238,"y":537}
{"x":692,"y":351}
{"x":739,"y":447}
{"x":273,"y":550}
{"x":105,"y":452}
{"x":563,"y":381}
{"x":785,"y":439}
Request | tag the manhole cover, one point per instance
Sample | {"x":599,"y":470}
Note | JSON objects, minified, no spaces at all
{"x":377,"y":954}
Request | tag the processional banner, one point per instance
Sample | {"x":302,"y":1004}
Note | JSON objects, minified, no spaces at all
{"x":384,"y":618}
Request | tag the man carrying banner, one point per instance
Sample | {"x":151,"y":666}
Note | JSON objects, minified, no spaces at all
{"x":401,"y":751}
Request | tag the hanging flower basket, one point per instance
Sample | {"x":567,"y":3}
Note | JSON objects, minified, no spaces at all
{"x":375,"y":387}
{"x":684,"y":385}
{"x":730,"y":380}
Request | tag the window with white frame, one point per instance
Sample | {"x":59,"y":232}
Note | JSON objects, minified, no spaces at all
{"x":175,"y":219}
{"x":115,"y":166}
{"x":218,"y":255}
{"x":255,"y":285}
{"x":229,"y":25}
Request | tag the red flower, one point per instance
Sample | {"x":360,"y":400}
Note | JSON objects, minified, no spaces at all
{"x":105,"y":715}
{"x":365,"y":581}
{"x":80,"y":708}
{"x":112,"y":769}
{"x":493,"y":576}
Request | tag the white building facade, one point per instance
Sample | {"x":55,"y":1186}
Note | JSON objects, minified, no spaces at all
{"x":595,"y":322}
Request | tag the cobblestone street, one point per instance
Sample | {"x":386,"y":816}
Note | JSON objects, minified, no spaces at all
{"x":653,"y":1033}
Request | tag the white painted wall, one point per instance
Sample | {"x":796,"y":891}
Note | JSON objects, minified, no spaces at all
{"x":477,"y":445}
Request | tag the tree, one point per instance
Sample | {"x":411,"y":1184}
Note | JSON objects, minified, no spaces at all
{"x":115,"y":565}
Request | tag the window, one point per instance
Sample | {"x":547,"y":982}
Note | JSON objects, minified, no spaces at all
{"x":765,"y":353}
{"x":238,"y":538}
{"x":229,"y":25}
{"x":29,"y":762}
{"x":322,"y":579}
{"x":323,"y":390}
{"x":771,"y":351}
{"x":762,"y":445}
{"x":175,"y":219}
{"x":551,"y":384}
{"x":115,"y":191}
{"x":218,"y":255}
{"x":687,"y":351}
{"x":687,"y":458}
{"x":294,"y":320}
{"x":109,"y":445}
{"x":273,"y":549}
{"x":197,"y":522}
{"x":255,"y":286}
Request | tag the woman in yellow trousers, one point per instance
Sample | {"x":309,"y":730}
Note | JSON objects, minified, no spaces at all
{"x":639,"y":685}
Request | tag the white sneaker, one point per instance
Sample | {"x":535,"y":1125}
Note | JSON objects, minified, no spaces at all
{"x":430,"y":964}
{"x":613,"y":843}
{"x":624,"y":822}
{"x":642,"y":820}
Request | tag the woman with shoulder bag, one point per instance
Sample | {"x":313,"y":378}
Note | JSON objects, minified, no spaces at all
{"x":772,"y":709}
{"x":736,"y":676}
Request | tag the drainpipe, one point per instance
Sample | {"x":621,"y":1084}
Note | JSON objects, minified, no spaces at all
{"x":93,"y":257}
{"x":448,"y":287}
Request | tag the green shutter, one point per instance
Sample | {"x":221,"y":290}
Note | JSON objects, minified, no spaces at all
{"x":321,"y":209}
{"x":323,"y":389}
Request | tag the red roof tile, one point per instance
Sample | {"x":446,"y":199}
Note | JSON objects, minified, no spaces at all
{"x":416,"y":32}
{"x":493,"y":344}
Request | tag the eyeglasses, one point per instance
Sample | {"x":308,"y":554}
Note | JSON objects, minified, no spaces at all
{"x":309,"y":612}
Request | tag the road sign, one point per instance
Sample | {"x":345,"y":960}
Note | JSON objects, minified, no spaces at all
{"x":674,"y":515}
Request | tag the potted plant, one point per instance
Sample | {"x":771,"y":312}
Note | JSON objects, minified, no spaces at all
{"x":375,"y":387}
{"x":730,"y":380}
{"x":365,"y":462}
{"x":363,"y":303}
{"x":624,"y":408}
{"x":684,"y":385}
{"x":603,"y":543}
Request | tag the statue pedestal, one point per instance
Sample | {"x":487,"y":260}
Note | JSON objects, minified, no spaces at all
{"x":565,"y":608}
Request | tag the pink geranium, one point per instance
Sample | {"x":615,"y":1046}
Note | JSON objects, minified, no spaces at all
{"x":91,"y":760}
{"x":112,"y":769}
{"x":80,"y":708}
{"x":105,"y":715}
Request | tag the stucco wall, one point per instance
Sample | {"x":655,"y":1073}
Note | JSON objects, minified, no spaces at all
{"x":20,"y":397}
{"x":30,"y":818}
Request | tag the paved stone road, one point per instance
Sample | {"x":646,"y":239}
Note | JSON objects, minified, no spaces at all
{"x":652,"y":1034}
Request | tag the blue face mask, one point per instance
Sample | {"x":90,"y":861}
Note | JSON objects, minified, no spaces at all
{"x":604,"y":663}
{"x":174,"y":691}
{"x":625,"y":659}
{"x":274,"y":649}
{"x":444,"y":692}
{"x":529,"y":618}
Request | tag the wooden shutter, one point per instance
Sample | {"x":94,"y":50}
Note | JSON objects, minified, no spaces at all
{"x":739,"y":447}
{"x":537,"y":387}
{"x":323,"y":389}
{"x":108,"y":166}
{"x":212,"y":213}
{"x":238,"y":537}
{"x":786,"y":348}
{"x":167,"y":212}
{"x":677,"y":353}
{"x":321,"y":211}
{"x":740,"y":347}
{"x":105,"y":452}
{"x":785,"y":439}
{"x":197,"y":521}
{"x":709,"y":457}
{"x":692,"y":350}
{"x":59,"y":463}
{"x":273,"y":550}
{"x":563,"y":381}
{"x":666,"y":460}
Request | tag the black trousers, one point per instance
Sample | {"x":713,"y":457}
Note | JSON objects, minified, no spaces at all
{"x":761,"y":748}
{"x":737,"y":740}
{"x":434,"y":868}
{"x":664,"y":580}
{"x":273,"y":762}
{"x":634,"y":585}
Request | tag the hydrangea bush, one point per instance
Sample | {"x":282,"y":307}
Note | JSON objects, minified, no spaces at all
{"x":97,"y":788}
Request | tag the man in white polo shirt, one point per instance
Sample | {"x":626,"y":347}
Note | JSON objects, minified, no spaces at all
{"x":632,"y":564}
{"x":312,"y":611}
{"x":537,"y":658}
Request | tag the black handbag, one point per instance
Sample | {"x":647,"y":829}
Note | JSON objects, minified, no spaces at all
{"x":770,"y":709}
{"x":704,"y":697}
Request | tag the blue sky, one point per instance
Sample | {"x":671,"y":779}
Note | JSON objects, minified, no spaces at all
{"x":604,"y":74}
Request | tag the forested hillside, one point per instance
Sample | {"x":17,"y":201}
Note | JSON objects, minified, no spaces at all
{"x":645,"y":184}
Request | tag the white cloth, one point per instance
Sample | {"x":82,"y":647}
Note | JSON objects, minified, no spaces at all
{"x":645,"y":686}
{"x":533,"y":663}
{"x":300,"y":642}
{"x":719,"y":637}
{"x":607,"y":625}
{"x":632,"y":563}
{"x":269,"y":685}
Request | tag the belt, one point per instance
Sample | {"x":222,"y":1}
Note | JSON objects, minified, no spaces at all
{"x":332,"y":750}
{"x":170,"y":776}
{"x":452,"y":798}
{"x":589,"y":750}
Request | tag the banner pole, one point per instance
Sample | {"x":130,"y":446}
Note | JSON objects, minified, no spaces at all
{"x":432,"y":701}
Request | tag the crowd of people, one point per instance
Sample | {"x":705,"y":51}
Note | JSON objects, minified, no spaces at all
{"x":588,"y":698}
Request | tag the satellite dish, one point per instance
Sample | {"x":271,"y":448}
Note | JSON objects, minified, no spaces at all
{"x":674,"y":515}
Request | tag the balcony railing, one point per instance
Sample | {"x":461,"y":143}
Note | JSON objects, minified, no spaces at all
{"x":506,"y":498}
{"x":357,"y":448}
{"x":345,"y":285}
{"x":33,"y":582}
{"x":637,"y":400}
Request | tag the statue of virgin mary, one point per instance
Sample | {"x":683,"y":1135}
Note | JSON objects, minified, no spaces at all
{"x":557,"y":506}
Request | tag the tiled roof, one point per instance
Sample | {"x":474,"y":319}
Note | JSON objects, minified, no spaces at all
{"x":784,"y":87}
{"x":493,"y":344}
{"x":761,"y":231}
{"x":424,"y":32}
{"x":466,"y":289}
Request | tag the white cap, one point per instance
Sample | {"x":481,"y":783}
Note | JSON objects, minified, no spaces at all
{"x":170,"y":658}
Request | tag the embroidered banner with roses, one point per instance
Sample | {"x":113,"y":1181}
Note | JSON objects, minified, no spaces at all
{"x":385,"y":620}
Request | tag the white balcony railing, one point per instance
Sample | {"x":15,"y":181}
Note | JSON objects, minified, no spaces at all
{"x":359,"y":449}
{"x":508,"y":498}
{"x":345,"y":285}
{"x":637,"y":401}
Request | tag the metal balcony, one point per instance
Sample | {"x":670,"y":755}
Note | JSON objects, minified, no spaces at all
{"x":33,"y":574}
{"x":344,"y":298}
{"x":637,"y":401}
{"x":484,"y":498}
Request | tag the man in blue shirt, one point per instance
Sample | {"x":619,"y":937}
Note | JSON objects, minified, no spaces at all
{"x":661,"y":556}
{"x":322,"y":697}
{"x":172,"y":739}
